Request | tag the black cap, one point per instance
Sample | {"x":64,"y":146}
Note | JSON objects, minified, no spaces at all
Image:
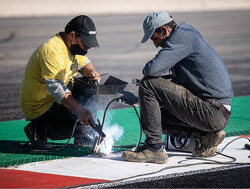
{"x":85,"y":27}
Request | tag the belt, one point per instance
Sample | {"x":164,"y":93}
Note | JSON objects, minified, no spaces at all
{"x":219,"y":105}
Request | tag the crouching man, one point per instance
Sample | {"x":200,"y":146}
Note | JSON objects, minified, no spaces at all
{"x":199,"y":96}
{"x":46,"y":98}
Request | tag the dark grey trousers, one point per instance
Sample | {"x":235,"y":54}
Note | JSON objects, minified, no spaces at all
{"x":164,"y":105}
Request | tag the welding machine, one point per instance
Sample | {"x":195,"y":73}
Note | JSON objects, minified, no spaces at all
{"x":179,"y":144}
{"x":181,"y":138}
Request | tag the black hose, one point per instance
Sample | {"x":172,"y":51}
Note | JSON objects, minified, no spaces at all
{"x":105,"y":111}
{"x":139,"y":141}
{"x":104,"y":116}
{"x":61,"y":147}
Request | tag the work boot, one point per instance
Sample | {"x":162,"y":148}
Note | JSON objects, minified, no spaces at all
{"x":36,"y":140}
{"x":209,"y":143}
{"x":146,"y":154}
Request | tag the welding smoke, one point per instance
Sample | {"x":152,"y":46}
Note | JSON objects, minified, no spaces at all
{"x":94,"y":103}
{"x":113,"y":133}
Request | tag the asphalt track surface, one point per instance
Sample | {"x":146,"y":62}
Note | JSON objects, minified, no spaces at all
{"x":121,"y":53}
{"x":123,"y":56}
{"x":227,"y":178}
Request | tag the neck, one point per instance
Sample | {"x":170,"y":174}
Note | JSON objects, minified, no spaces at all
{"x":65,"y":39}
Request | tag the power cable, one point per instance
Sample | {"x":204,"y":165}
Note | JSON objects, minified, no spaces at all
{"x":207,"y":161}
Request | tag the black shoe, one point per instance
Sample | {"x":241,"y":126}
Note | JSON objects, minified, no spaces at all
{"x":37,"y":142}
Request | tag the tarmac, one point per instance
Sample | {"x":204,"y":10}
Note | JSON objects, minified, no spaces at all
{"x":83,"y":171}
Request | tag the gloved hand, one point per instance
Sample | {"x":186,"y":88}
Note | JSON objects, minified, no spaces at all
{"x":128,"y":98}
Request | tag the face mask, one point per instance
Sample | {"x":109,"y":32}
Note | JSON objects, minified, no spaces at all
{"x":76,"y":49}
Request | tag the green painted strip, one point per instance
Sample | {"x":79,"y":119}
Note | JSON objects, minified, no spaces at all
{"x":239,"y":123}
{"x":12,"y":134}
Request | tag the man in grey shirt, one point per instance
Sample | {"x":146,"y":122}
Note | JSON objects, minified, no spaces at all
{"x":198,"y":98}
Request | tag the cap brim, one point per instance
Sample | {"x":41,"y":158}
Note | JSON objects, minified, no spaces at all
{"x":89,"y":40}
{"x":147,"y":35}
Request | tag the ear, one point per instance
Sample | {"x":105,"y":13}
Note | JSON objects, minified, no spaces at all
{"x":166,"y":31}
{"x":71,"y":35}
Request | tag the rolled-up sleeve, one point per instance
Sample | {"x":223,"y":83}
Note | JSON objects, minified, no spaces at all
{"x":83,"y":62}
{"x":56,"y":89}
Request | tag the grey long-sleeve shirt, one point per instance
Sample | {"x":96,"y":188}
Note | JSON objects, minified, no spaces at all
{"x":56,"y":87}
{"x":194,"y":65}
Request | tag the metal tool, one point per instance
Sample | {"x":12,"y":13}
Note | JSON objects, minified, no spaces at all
{"x":98,"y":139}
{"x":136,"y":81}
{"x":110,"y":87}
{"x":97,"y":144}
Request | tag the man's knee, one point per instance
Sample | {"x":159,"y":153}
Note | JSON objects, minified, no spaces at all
{"x":148,"y":82}
{"x":156,"y":81}
{"x":145,"y":81}
{"x":159,"y":85}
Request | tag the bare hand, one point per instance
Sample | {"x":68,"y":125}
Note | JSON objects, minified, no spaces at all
{"x":85,"y":117}
{"x":95,"y":77}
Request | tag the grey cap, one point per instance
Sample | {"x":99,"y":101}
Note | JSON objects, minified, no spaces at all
{"x":153,"y":21}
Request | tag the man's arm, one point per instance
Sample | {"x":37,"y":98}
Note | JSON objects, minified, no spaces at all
{"x":177,"y":47}
{"x":83,"y":114}
{"x":89,"y":71}
{"x":62,"y":95}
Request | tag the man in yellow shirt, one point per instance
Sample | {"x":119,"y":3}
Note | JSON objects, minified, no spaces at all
{"x":46,"y":99}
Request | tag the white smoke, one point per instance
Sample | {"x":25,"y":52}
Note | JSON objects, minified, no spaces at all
{"x":113,"y":133}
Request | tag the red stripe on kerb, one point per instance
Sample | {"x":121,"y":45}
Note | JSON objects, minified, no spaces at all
{"x":244,"y":136}
{"x":25,"y":179}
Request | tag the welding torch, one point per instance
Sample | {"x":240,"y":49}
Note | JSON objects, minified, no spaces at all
{"x":98,"y":140}
{"x":98,"y":128}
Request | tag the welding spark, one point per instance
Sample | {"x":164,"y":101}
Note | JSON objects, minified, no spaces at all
{"x":113,"y":134}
